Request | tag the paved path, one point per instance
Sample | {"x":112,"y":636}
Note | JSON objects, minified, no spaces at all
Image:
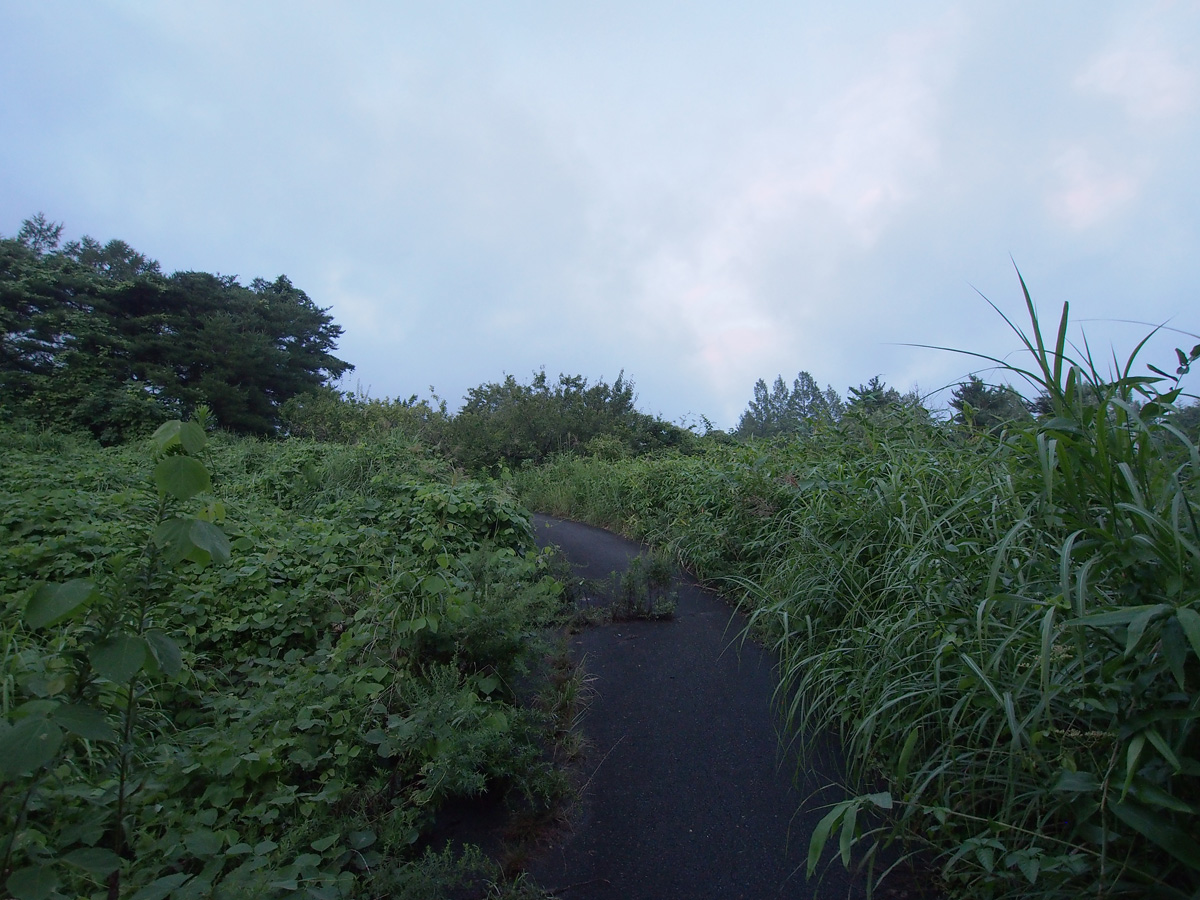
{"x":689,"y":794}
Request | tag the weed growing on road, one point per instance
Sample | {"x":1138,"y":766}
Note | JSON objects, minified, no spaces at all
{"x":643,"y":591}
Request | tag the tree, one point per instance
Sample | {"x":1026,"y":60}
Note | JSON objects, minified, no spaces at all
{"x":779,"y":410}
{"x":511,"y":422}
{"x":40,"y":234}
{"x":809,"y":402}
{"x":115,"y":260}
{"x":986,"y":408}
{"x":873,"y":397}
{"x":95,"y":336}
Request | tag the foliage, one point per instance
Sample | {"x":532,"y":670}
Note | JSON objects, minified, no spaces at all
{"x":327,"y":414}
{"x":780,"y":411}
{"x":1007,"y":639}
{"x":95,"y":337}
{"x":39,"y":234}
{"x":510,"y":423}
{"x":500,"y":426}
{"x":284,"y":724}
{"x":985,"y":407}
{"x":643,"y":590}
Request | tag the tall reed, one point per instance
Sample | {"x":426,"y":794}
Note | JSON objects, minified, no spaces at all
{"x":1005,"y":631}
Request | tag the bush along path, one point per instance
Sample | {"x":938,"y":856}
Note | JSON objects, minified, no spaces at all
{"x":688,"y":791}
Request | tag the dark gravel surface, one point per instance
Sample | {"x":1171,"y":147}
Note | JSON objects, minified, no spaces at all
{"x":689,"y":793}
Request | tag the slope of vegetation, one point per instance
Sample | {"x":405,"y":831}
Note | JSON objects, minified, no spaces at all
{"x":237,"y":668}
{"x":1002,"y":624}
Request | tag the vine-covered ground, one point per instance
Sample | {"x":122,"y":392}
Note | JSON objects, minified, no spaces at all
{"x":235,"y":668}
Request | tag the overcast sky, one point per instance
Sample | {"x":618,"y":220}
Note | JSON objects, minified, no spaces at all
{"x":699,"y":194}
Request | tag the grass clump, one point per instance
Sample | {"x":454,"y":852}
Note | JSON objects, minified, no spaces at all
{"x":643,"y":591}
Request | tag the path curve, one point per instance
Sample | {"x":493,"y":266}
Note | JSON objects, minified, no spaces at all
{"x":689,"y":793}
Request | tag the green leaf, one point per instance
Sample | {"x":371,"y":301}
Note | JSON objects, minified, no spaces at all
{"x":28,"y":745}
{"x":1137,"y":628}
{"x":120,"y":657}
{"x":161,"y":888}
{"x":167,"y":435}
{"x":1132,"y":754}
{"x":883,"y":799}
{"x":173,"y":537}
{"x":849,"y":833}
{"x":986,"y":856}
{"x":1157,"y":828}
{"x":209,"y":538}
{"x":194,"y":539}
{"x":96,"y":860}
{"x":1190,"y":620}
{"x":1120,"y":616}
{"x":1152,"y":795}
{"x":166,"y":652}
{"x":906,"y":753}
{"x":54,"y":603}
{"x":820,"y":835}
{"x":1174,"y":650}
{"x":1076,"y":782}
{"x":203,"y":843}
{"x":497,"y":722}
{"x":1163,"y":747}
{"x":1029,"y":865}
{"x":360,"y":840}
{"x":193,"y":438}
{"x":181,"y":476}
{"x":188,"y":434}
{"x":32,"y":883}
{"x":326,"y":842}
{"x":84,"y":721}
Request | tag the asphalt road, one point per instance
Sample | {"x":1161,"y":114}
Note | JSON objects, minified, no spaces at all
{"x":689,"y":793}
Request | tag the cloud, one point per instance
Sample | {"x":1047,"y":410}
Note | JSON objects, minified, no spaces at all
{"x":823,"y":183}
{"x":1145,"y":77}
{"x":1089,"y":193}
{"x":700,"y":198}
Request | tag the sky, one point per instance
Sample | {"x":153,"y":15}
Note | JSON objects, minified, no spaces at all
{"x":696,"y":194}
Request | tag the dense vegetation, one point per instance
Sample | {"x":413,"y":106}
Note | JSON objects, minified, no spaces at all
{"x":1002,"y":621}
{"x":233,"y":666}
{"x":95,"y":337}
{"x":237,"y":668}
{"x":501,"y":425}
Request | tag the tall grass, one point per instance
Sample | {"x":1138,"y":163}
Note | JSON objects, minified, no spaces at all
{"x":1005,"y":632}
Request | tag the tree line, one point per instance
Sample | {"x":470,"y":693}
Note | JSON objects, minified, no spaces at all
{"x":95,"y":337}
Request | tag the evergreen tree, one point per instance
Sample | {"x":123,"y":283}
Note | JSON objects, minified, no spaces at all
{"x":778,"y":410}
{"x":986,"y":408}
{"x":96,"y":337}
{"x":873,"y":397}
